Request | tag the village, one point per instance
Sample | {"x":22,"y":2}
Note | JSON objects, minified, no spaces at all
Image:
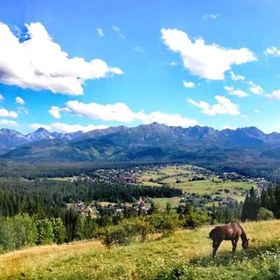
{"x":156,"y":174}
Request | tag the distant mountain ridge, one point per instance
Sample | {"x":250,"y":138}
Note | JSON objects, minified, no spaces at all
{"x":10,"y":138}
{"x":152,"y":142}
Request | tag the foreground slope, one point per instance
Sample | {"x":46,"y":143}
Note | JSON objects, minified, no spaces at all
{"x":185,"y":253}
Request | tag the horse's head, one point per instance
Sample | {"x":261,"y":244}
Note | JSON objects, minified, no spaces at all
{"x":245,"y":244}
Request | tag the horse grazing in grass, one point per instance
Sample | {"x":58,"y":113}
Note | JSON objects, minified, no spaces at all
{"x":228,"y":232}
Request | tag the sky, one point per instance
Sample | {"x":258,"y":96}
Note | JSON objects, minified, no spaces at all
{"x":90,"y":64}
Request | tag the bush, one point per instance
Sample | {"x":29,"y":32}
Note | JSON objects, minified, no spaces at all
{"x":128,"y":229}
{"x":196,"y":218}
{"x":126,"y":232}
{"x":44,"y":231}
{"x":59,"y":231}
{"x":164,"y":221}
{"x":16,"y":232}
{"x":265,"y":214}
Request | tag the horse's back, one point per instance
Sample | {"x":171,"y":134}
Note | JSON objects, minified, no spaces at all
{"x":227,"y":231}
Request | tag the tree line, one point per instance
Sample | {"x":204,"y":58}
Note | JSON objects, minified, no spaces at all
{"x":266,"y":204}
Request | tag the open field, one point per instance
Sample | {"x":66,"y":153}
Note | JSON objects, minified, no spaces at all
{"x":181,"y":176}
{"x":186,"y":252}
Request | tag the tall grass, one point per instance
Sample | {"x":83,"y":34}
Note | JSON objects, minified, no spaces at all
{"x":185,"y":253}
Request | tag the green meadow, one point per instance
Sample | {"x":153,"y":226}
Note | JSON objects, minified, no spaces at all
{"x":185,"y":254}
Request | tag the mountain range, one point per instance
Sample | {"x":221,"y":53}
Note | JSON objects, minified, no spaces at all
{"x":153,"y":142}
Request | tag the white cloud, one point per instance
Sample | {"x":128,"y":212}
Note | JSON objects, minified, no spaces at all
{"x":206,"y":61}
{"x":255,"y":89}
{"x":100,"y":32}
{"x":119,"y":112}
{"x":211,"y":16}
{"x":223,"y":106}
{"x":66,"y":128}
{"x":118,"y":31}
{"x":1,"y":97}
{"x":189,"y":84}
{"x":8,"y":122}
{"x":109,"y":112}
{"x":273,"y":51}
{"x":236,"y":92}
{"x":168,"y":119}
{"x":7,"y":114}
{"x":20,"y":100}
{"x":40,"y":63}
{"x":274,"y":95}
{"x":236,"y":77}
{"x":55,"y":112}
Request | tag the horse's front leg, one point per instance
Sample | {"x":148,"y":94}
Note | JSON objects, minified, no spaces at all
{"x":216,"y":245}
{"x":234,"y":244}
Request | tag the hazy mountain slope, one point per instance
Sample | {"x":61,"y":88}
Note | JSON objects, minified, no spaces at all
{"x":152,"y":142}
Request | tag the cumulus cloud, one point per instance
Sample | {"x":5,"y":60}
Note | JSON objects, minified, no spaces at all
{"x":236,"y":92}
{"x":39,"y":63}
{"x":108,"y":112}
{"x":236,"y":77}
{"x":20,"y":100}
{"x":223,"y":106}
{"x":274,"y":95}
{"x":66,"y":128}
{"x":168,"y":119}
{"x":119,"y":112}
{"x":255,"y":89}
{"x":8,"y":122}
{"x":273,"y":51}
{"x":55,"y":112}
{"x":208,"y":61}
{"x":189,"y":84}
{"x":7,"y":114}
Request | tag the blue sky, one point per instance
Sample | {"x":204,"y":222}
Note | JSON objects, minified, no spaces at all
{"x":71,"y":65}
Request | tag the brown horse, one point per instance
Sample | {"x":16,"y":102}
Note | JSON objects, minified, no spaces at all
{"x":228,"y":232}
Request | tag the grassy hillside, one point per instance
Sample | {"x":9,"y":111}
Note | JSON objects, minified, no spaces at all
{"x":185,"y":253}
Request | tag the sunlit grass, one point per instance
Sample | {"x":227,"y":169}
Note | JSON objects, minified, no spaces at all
{"x":91,"y":260}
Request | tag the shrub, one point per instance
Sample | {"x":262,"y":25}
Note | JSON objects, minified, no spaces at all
{"x":117,"y":235}
{"x":44,"y":231}
{"x":196,"y":218}
{"x":265,"y":214}
{"x":59,"y":231}
{"x":126,"y":232}
{"x":164,"y":221}
{"x":16,"y":232}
